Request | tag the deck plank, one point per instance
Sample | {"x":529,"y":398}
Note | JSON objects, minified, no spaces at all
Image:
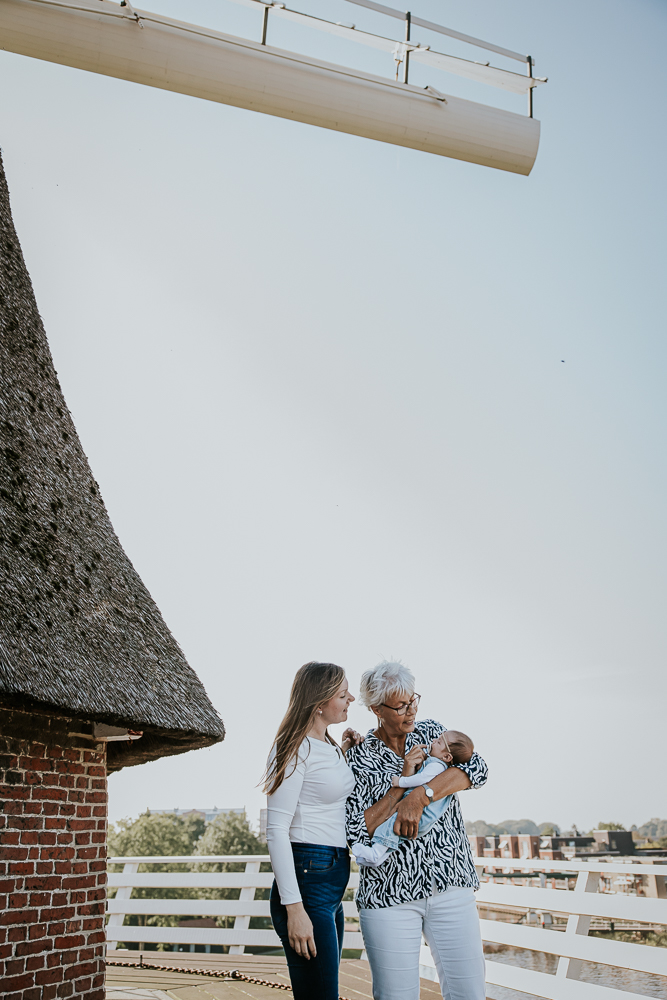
{"x":156,"y":983}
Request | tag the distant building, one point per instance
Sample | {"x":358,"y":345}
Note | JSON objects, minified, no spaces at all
{"x":206,"y":814}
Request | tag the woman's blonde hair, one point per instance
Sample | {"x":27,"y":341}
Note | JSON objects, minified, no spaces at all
{"x":314,"y":684}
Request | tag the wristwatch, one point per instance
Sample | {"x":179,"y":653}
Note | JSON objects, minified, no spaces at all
{"x":429,"y":792}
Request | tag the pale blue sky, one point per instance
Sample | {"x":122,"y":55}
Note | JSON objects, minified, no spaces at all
{"x":347,"y":401}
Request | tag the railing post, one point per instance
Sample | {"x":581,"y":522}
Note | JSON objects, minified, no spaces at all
{"x":529,"y":60}
{"x":124,"y":892}
{"x":242,"y":923}
{"x":265,"y":24}
{"x":406,"y":62}
{"x":569,"y":968}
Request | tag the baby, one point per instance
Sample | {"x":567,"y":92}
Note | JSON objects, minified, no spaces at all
{"x":450,"y":748}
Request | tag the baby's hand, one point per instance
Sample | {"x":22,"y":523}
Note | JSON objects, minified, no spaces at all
{"x":394,"y":781}
{"x":414,"y":759}
{"x":351,"y":738}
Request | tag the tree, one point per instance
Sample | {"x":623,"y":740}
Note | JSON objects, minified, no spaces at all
{"x":654,"y":830}
{"x":610,"y":826}
{"x":156,"y":834}
{"x":230,"y":834}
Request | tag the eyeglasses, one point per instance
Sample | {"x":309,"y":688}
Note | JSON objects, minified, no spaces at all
{"x":403,"y":708}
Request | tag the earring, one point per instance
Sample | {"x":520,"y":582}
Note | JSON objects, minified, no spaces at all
{"x":319,"y":711}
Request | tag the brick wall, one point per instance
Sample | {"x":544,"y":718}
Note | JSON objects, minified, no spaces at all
{"x":52,"y":857}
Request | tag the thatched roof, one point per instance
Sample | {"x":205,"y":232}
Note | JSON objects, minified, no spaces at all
{"x":78,"y":629}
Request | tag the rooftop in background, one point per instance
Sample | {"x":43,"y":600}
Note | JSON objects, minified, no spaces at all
{"x":208,"y":814}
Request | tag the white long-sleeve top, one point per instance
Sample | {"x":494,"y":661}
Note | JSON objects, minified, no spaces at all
{"x":307,"y":808}
{"x":428,"y":771}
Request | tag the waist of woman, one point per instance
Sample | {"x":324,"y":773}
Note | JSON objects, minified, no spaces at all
{"x":300,"y":846}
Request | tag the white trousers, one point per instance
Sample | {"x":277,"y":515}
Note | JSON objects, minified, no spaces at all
{"x":449,"y":922}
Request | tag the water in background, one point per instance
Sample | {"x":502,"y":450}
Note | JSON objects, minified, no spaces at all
{"x":644,"y":983}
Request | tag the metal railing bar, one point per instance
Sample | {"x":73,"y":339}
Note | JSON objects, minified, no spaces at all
{"x":543,"y":864}
{"x":481,"y":72}
{"x":432,"y":26}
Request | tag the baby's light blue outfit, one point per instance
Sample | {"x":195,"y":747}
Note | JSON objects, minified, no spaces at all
{"x":385,"y":835}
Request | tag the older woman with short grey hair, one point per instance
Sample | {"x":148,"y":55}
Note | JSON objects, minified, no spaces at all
{"x":427,"y":885}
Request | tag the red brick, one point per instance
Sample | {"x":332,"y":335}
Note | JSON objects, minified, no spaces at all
{"x":49,"y":976}
{"x":84,"y":969}
{"x":40,"y":898}
{"x":34,"y":994}
{"x":9,"y":837}
{"x":56,"y":854}
{"x":34,"y":947}
{"x":17,"y":933}
{"x":18,"y":917}
{"x":46,"y":883}
{"x":55,"y":823}
{"x":25,"y":822}
{"x":21,"y":868}
{"x":18,"y":982}
{"x":15,"y":792}
{"x":73,"y":941}
{"x":18,"y":899}
{"x":42,"y":793}
{"x":14,"y":967}
{"x":15,"y":854}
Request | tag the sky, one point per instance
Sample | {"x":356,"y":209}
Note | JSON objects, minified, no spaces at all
{"x":348,"y":401}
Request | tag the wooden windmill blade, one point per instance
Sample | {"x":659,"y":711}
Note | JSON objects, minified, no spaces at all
{"x":120,"y":41}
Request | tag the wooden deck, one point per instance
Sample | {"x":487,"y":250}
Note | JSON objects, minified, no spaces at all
{"x":160,"y":984}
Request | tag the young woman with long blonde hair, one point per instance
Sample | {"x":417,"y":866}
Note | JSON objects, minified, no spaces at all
{"x":307,"y":784}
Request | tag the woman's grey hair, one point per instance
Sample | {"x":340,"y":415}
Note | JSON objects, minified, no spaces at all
{"x":385,"y":681}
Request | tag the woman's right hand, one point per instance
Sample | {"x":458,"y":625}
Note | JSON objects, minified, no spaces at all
{"x":414,"y":759}
{"x":300,"y":931}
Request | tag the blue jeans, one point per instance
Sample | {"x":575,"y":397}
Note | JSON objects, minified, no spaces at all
{"x":322,"y":874}
{"x":384,"y":834}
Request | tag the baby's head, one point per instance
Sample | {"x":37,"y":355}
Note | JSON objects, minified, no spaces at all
{"x":452,"y":747}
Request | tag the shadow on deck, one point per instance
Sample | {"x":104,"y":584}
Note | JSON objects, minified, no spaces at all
{"x":156,"y":982}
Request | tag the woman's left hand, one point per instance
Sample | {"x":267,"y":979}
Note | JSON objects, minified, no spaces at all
{"x":351,"y":738}
{"x":409,"y":812}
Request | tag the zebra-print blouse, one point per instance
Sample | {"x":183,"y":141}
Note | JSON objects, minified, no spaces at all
{"x":437,"y":860}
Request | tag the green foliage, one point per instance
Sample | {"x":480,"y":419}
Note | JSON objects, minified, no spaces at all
{"x":549,"y":830}
{"x":610,"y":826}
{"x":479,"y":828}
{"x":655,"y":845}
{"x":230,"y":834}
{"x":155,"y":834}
{"x":655,"y":829}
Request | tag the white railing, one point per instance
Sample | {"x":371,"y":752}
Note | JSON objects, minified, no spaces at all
{"x":572,"y":947}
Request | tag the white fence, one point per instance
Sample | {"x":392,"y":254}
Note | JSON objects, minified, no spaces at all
{"x":579,"y":906}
